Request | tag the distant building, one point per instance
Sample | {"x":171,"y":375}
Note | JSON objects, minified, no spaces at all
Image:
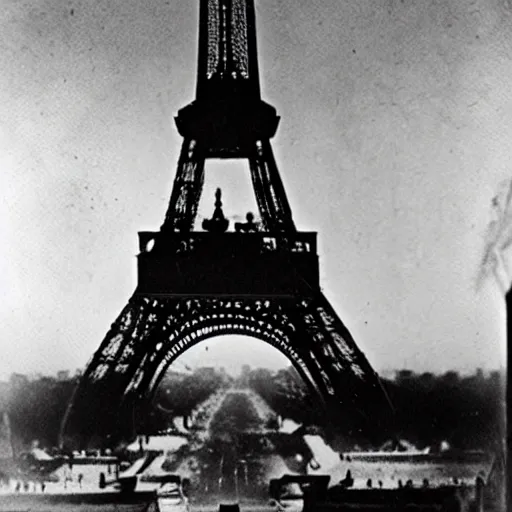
{"x":244,"y":375}
{"x":498,"y":380}
{"x":47,"y":380}
{"x":6,"y":449}
{"x":404,"y":376}
{"x":63,"y":375}
{"x":177,"y":374}
{"x":479,"y":375}
{"x":207,"y":372}
{"x":174,"y":376}
{"x":18,"y":380}
{"x":4,"y":395}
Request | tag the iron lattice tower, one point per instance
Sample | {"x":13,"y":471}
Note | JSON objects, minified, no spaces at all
{"x":194,"y":285}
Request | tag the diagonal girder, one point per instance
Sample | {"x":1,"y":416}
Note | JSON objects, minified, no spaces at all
{"x":187,"y":188}
{"x":271,"y":197}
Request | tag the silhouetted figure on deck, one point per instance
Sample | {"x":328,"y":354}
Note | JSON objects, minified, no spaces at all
{"x":348,"y":481}
{"x":249,"y":226}
{"x":369,"y":483}
{"x":218,"y":223}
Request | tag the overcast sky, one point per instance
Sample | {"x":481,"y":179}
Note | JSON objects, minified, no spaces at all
{"x":395,"y":134}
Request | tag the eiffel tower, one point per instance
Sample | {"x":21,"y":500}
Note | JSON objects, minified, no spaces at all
{"x":260,"y":280}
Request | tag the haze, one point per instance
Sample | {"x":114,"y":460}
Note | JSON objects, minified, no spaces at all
{"x":395,"y":135}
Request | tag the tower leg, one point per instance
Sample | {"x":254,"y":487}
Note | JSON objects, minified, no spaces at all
{"x":100,"y":392}
{"x":355,"y":382}
{"x":270,"y":194}
{"x":186,"y":190}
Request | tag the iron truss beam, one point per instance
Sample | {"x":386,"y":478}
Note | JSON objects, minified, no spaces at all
{"x":151,"y":333}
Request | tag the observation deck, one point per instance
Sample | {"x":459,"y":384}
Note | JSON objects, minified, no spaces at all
{"x":228,"y":264}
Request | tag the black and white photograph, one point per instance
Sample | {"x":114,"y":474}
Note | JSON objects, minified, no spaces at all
{"x":256,"y":255}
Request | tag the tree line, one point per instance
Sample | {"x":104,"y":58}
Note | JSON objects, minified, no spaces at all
{"x":465,"y":412}
{"x":35,"y":408}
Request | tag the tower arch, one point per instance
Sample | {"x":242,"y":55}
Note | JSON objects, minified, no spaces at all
{"x":208,"y":331}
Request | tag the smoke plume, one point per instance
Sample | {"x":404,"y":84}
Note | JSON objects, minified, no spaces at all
{"x":497,"y":256}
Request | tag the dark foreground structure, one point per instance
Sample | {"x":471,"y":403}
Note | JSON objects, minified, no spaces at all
{"x":508,"y":450}
{"x":261,"y":280}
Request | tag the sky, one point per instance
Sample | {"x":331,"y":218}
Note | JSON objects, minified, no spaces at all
{"x":396,"y":122}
